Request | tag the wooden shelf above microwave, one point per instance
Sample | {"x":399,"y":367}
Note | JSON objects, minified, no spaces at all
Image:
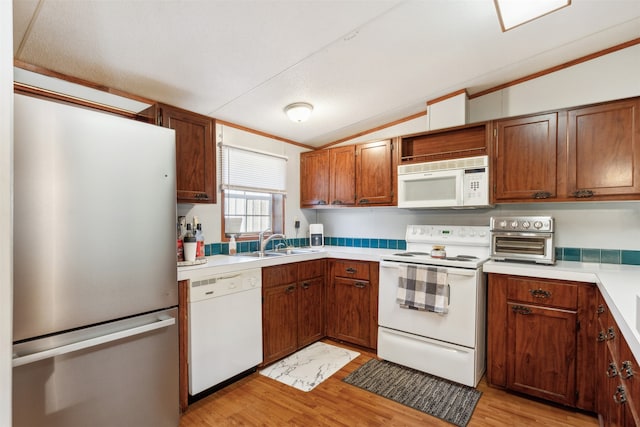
{"x":451,"y":143}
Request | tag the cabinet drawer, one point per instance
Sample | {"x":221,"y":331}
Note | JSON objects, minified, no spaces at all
{"x":311,"y":269}
{"x":279,"y":275}
{"x":555,"y":294}
{"x":351,"y":269}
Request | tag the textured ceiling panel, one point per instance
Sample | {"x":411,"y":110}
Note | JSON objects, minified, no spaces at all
{"x":361,"y":63}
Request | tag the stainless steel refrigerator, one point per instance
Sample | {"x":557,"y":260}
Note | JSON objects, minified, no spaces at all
{"x":95,"y":294}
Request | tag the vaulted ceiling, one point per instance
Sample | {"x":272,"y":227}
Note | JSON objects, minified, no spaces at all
{"x":360,"y":63}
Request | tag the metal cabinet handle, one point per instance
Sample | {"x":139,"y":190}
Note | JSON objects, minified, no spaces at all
{"x":600,"y":309}
{"x":290,"y":289}
{"x":611,"y":333}
{"x":336,"y":202}
{"x":539,"y":293}
{"x":305,"y":285}
{"x":351,"y":270}
{"x":202,"y":196}
{"x":321,"y":202}
{"x":627,"y":369}
{"x":612,"y":370}
{"x":360,"y":285}
{"x":541,"y":195}
{"x":364,"y":201}
{"x":521,"y":309}
{"x":602,"y":336}
{"x":580,"y":194}
{"x":620,"y":396}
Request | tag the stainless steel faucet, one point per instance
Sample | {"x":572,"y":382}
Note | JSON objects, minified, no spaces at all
{"x":262,"y":242}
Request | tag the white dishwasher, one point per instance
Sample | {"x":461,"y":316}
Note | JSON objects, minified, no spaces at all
{"x":225,"y":327}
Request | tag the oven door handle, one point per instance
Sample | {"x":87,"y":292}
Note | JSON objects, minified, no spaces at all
{"x":450,"y":270}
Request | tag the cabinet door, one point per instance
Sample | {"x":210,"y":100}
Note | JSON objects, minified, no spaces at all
{"x":279,"y":322}
{"x":195,"y":154}
{"x":350,"y":307}
{"x":629,"y":372}
{"x":542,"y":346}
{"x":342,"y":173}
{"x":374,"y":179}
{"x":603,"y":156}
{"x":310,"y":311}
{"x":525,"y":158}
{"x":314,"y":178}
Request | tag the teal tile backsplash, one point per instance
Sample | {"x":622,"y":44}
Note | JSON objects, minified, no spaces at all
{"x":604,"y":256}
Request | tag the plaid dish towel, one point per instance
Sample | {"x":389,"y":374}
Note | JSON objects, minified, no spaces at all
{"x":423,"y":288}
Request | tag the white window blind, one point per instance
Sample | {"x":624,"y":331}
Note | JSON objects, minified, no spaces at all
{"x":252,"y":170}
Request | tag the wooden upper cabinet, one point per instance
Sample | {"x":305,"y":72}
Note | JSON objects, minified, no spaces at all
{"x":353,"y":175}
{"x":342,"y":176}
{"x":195,"y":151}
{"x":444,"y":144}
{"x":314,"y":178}
{"x":374,"y":176}
{"x":603,"y":156}
{"x":525,"y":157}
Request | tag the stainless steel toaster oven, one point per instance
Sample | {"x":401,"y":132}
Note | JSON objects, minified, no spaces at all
{"x":523,"y":238}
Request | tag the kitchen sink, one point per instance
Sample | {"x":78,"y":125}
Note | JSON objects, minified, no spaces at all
{"x":303,"y":250}
{"x":266,"y":254}
{"x":282,"y":252}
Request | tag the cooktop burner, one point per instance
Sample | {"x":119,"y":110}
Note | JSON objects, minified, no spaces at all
{"x":411,"y":253}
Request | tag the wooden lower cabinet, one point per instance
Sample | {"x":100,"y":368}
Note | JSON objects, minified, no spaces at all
{"x":539,"y":339}
{"x":616,"y":370}
{"x":352,"y":301}
{"x":541,"y":342}
{"x":292,"y":307}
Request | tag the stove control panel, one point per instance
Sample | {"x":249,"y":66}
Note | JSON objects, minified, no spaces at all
{"x":448,"y":234}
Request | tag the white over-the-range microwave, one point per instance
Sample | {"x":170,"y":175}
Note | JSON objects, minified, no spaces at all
{"x":456,"y":183}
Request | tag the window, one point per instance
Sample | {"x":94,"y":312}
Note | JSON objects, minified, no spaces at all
{"x":253,"y":191}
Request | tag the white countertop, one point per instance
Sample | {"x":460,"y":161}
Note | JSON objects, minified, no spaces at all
{"x":217,"y":264}
{"x":619,"y":285}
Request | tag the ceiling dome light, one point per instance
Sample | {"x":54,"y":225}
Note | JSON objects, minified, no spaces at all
{"x":298,"y":111}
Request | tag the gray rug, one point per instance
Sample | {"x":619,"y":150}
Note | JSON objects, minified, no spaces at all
{"x":435,"y":396}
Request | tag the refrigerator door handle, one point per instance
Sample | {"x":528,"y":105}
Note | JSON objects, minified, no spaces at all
{"x":92,"y":342}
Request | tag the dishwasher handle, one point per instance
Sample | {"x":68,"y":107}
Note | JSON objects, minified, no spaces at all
{"x":91,"y":342}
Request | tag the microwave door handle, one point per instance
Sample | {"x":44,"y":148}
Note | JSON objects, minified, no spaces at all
{"x":460,"y":192}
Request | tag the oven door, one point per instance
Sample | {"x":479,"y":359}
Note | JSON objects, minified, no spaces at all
{"x":431,"y":189}
{"x":519,"y":246}
{"x":460,"y":324}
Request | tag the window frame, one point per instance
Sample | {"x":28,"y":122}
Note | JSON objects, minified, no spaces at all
{"x":277,"y":218}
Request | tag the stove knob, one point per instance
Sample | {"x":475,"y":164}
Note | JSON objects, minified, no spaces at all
{"x":514,"y":224}
{"x":482,"y":234}
{"x":526,"y":224}
{"x":537,"y":225}
{"x":472,"y":233}
{"x":502,"y":224}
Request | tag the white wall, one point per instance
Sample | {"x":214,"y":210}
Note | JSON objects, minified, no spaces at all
{"x":210,"y":215}
{"x":6,"y":207}
{"x":613,"y":225}
{"x":608,"y":77}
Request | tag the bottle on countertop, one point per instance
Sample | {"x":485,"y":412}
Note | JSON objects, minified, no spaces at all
{"x":199,"y":242}
{"x":179,"y":246}
{"x":232,"y":245}
{"x":189,"y":243}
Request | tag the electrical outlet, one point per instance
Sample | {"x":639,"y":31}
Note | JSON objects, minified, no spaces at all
{"x":296,"y":224}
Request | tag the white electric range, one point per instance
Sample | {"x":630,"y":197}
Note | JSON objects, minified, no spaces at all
{"x":450,"y":345}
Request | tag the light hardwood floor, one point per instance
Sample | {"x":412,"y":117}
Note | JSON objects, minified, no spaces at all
{"x":260,"y":401}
